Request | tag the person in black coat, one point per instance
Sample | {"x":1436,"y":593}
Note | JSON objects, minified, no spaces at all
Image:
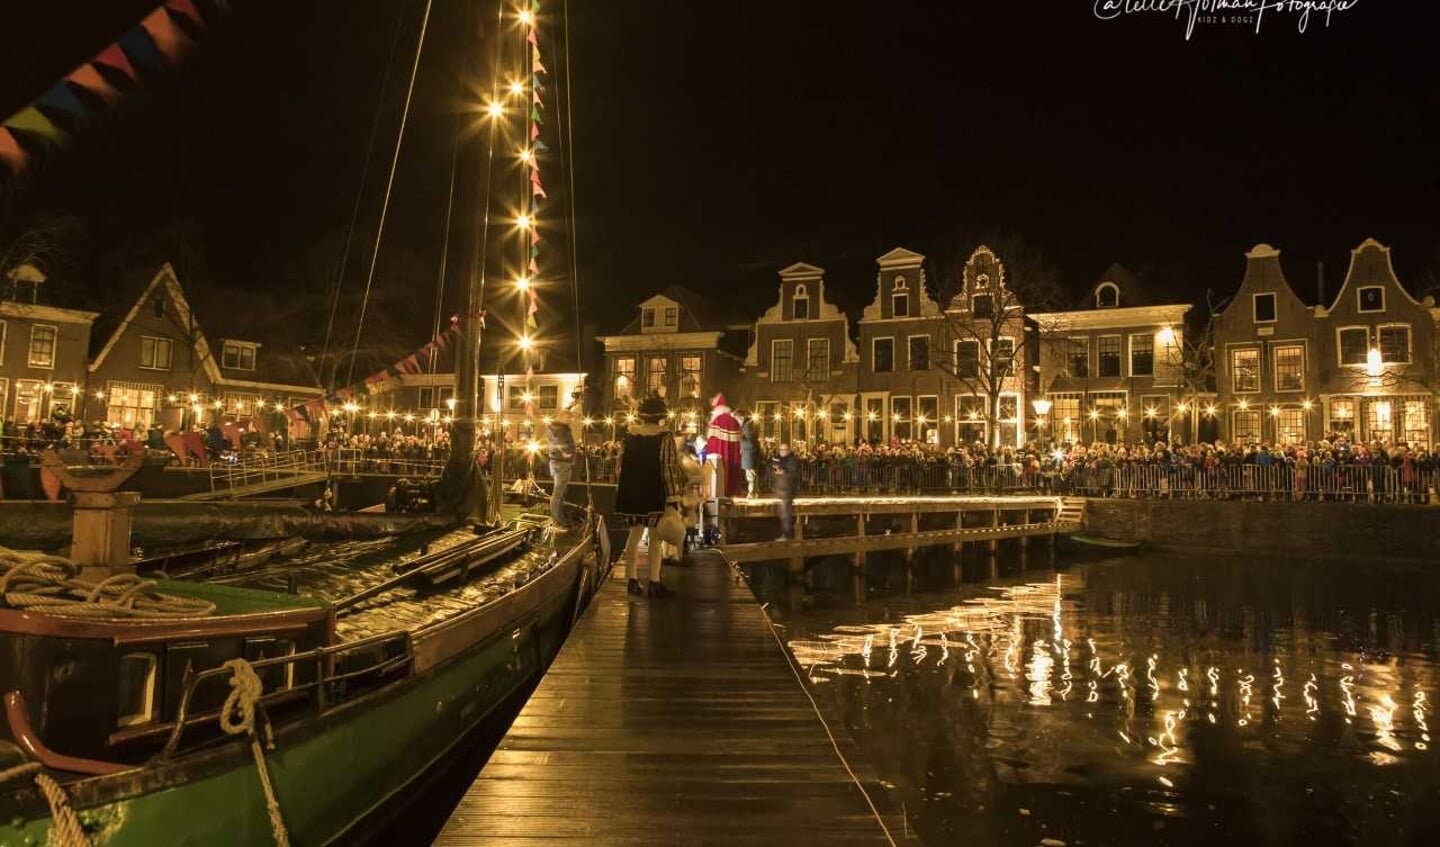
{"x":785,"y":473}
{"x":652,"y":479}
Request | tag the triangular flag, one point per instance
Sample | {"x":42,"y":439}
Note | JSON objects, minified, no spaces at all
{"x":11,"y":153}
{"x":537,"y":187}
{"x":535,"y":115}
{"x":140,"y":49}
{"x":170,"y":40}
{"x":186,"y":8}
{"x":60,"y":98}
{"x":531,"y":37}
{"x":534,"y":237}
{"x":541,"y":148}
{"x":535,"y":60}
{"x":536,"y":99}
{"x":32,"y":120}
{"x":90,"y":79}
{"x":534,"y":251}
{"x":534,"y":132}
{"x":114,"y":57}
{"x":534,"y":266}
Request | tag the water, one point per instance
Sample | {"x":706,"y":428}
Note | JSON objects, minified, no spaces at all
{"x":1161,"y":699}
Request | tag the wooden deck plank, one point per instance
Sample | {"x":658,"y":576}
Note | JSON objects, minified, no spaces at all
{"x":674,"y":721}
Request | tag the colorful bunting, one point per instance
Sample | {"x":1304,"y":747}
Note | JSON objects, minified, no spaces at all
{"x":531,"y":38}
{"x":140,"y":48}
{"x":90,"y":79}
{"x":535,"y":60}
{"x":170,"y":40}
{"x":114,"y":57}
{"x":33,"y":120}
{"x":61,"y":98}
{"x":11,"y":153}
{"x":186,"y":8}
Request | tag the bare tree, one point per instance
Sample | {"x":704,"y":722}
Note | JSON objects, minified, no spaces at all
{"x":992,"y":287}
{"x":45,"y":243}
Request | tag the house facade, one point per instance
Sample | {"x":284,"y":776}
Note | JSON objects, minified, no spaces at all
{"x":160,"y":367}
{"x":1111,"y":370}
{"x":904,"y":389}
{"x":990,"y":356}
{"x":680,"y":347}
{"x":43,"y":350}
{"x":801,"y":369}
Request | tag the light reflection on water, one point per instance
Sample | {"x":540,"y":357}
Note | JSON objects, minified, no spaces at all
{"x":1151,"y":700}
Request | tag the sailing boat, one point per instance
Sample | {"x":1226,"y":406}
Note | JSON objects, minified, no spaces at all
{"x":218,"y":714}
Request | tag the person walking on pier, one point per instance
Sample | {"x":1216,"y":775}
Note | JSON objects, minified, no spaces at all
{"x":562,"y":462}
{"x":651,"y":480}
{"x":785,"y":470}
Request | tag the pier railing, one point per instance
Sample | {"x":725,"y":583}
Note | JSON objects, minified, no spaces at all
{"x":263,"y":468}
{"x":1349,"y":483}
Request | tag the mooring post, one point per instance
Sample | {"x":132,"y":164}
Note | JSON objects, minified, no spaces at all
{"x":860,"y":533}
{"x":100,"y":527}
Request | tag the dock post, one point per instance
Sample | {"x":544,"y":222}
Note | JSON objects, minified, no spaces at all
{"x":860,"y":533}
{"x":796,"y":565}
{"x":1024,"y":543}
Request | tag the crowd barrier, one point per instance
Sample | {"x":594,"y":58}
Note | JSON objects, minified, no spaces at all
{"x":1362,"y":483}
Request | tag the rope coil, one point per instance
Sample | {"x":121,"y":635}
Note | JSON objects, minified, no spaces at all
{"x":65,"y":828}
{"x":237,"y":717}
{"x":39,"y":582}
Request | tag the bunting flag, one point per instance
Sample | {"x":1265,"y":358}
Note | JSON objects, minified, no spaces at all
{"x":186,"y":8}
{"x":11,"y":153}
{"x":31,"y":119}
{"x":534,"y":266}
{"x":61,"y":98}
{"x":169,"y":39}
{"x":88,"y":78}
{"x":535,"y":60}
{"x":114,"y":57}
{"x":141,"y":50}
{"x":531,"y":38}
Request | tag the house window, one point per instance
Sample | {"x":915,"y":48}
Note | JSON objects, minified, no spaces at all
{"x":837,"y":417}
{"x":1263,"y":306}
{"x":691,"y":365}
{"x":800,"y":304}
{"x":1065,"y":417}
{"x":1290,"y":426}
{"x":902,"y":419}
{"x":1290,"y":367}
{"x":1009,"y":419}
{"x":1107,"y":295}
{"x":656,"y":370}
{"x":28,"y":398}
{"x":1246,"y":425}
{"x":874,"y":418}
{"x":549,"y":397}
{"x":882,"y":355}
{"x":1395,"y":344}
{"x":767,"y":418}
{"x":136,"y":689}
{"x":1142,"y":354}
{"x":782,"y":360}
{"x":42,"y":346}
{"x":818,"y":368}
{"x":919,"y":352}
{"x":647,"y":318}
{"x":1004,"y":353}
{"x":982,"y":306}
{"x":1077,"y":357}
{"x":239,"y":356}
{"x":967,"y":359}
{"x":514,"y":398}
{"x":1370,"y":298}
{"x":425,"y":397}
{"x":1379,"y":420}
{"x":1109,"y":355}
{"x":1417,"y":423}
{"x":1354,"y":345}
{"x":132,"y":404}
{"x":1342,"y":415}
{"x":900,"y":298}
{"x":672,"y":316}
{"x":1245,"y":370}
{"x":155,"y":353}
{"x":624,"y":377}
{"x":970,"y":424}
{"x":240,"y":404}
{"x":927,"y":418}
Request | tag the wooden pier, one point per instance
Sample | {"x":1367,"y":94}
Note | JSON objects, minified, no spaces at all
{"x":891,"y":523}
{"x":669,"y":721}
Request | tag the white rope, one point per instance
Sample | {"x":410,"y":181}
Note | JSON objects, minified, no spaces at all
{"x":237,"y":717}
{"x":65,"y":828}
{"x":39,"y":582}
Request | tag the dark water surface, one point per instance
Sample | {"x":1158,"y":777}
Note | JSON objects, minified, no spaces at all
{"x":1159,"y":699}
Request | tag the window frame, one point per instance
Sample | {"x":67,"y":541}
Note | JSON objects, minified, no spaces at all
{"x":1255,"y":307}
{"x":1259,"y":420}
{"x":672,"y":317}
{"x":1115,"y":304}
{"x":647,"y":317}
{"x":651,"y":386}
{"x":698,"y":373}
{"x":1340,"y":346}
{"x":900,"y":421}
{"x":1230,"y":353}
{"x":874,"y":361}
{"x":910,"y":351}
{"x":240,"y":348}
{"x":776,"y":376}
{"x":1360,"y":299}
{"x":629,"y":376}
{"x":1150,"y":340}
{"x":1070,"y":356}
{"x":1409,"y":343}
{"x":989,"y":311}
{"x":1275,"y":350}
{"x":810,"y":358}
{"x":151,"y":676}
{"x":1014,"y":353}
{"x":900,"y":292}
{"x":54,"y":347}
{"x":553,"y":391}
{"x":801,"y":296}
{"x":960,"y":374}
{"x":155,"y":341}
{"x":1119,"y":356}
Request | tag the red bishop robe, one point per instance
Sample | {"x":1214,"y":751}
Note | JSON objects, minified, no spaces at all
{"x":723,"y":440}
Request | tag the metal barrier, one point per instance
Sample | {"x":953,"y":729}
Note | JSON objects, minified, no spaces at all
{"x":1355,"y":483}
{"x":260,"y":468}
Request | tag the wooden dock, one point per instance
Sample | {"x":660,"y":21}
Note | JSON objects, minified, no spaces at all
{"x":669,"y":721}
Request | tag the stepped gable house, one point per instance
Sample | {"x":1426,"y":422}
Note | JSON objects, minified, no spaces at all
{"x":990,"y":357}
{"x":43,"y":350}
{"x":801,"y":370}
{"x":679,"y":346}
{"x":1111,"y":369}
{"x":160,"y":366}
{"x":902,"y":386}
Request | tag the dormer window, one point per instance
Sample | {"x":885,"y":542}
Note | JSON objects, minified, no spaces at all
{"x":157,"y":306}
{"x":1371,"y":298}
{"x":800,"y":303}
{"x":672,"y":317}
{"x":1107,"y":295}
{"x":900,"y":298}
{"x":647,"y":318}
{"x":238,"y":355}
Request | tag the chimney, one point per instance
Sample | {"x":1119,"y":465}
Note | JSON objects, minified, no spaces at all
{"x":1320,"y":283}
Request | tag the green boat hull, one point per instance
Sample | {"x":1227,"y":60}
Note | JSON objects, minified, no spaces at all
{"x":334,"y":775}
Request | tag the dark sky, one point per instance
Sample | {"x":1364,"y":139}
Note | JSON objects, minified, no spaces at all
{"x":717,"y":142}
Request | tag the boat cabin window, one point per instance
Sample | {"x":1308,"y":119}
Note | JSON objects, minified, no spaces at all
{"x":137,"y":689}
{"x":274,"y":677}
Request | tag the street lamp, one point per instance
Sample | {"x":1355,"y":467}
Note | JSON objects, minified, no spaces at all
{"x":1042,"y":407}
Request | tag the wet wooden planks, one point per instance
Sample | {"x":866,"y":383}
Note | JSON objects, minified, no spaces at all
{"x":674,"y":721}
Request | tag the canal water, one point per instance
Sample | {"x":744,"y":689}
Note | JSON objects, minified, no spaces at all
{"x":1154,"y":699}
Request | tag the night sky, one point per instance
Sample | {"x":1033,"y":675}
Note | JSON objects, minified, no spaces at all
{"x":717,"y":142}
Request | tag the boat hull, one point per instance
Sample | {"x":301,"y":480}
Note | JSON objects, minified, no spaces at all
{"x":334,"y":774}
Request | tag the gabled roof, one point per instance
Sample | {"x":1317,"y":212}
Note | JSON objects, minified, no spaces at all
{"x":801,"y":269}
{"x":697,"y":314}
{"x":1133,"y":291}
{"x":166,"y":280}
{"x":1370,"y":263}
{"x":899,"y":256}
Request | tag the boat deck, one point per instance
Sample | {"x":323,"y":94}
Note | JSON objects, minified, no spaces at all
{"x":669,"y":721}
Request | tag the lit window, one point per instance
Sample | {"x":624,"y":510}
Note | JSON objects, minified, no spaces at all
{"x":238,"y":356}
{"x":1264,"y":307}
{"x":902,"y":418}
{"x":656,"y":372}
{"x":624,"y":377}
{"x":42,"y":346}
{"x":1247,"y":425}
{"x":1342,"y":415}
{"x":1290,"y":367}
{"x":1245,"y":369}
{"x":883,"y":355}
{"x":1395,"y":344}
{"x":1142,"y":354}
{"x":155,"y":353}
{"x":1354,"y":345}
{"x":690,"y":373}
{"x":1290,"y":426}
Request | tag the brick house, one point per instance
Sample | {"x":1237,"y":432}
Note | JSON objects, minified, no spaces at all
{"x":43,"y":350}
{"x":903,"y":388}
{"x":1378,"y":355}
{"x":679,"y":346}
{"x":801,"y":369}
{"x":159,"y":366}
{"x":1111,"y":369}
{"x":985,"y":334}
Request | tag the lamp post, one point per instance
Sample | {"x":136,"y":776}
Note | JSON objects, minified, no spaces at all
{"x":1042,"y":407}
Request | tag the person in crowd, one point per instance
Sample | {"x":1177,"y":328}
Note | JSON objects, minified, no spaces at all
{"x":651,"y":479}
{"x":785,"y":471}
{"x":562,"y":461}
{"x":749,"y":455}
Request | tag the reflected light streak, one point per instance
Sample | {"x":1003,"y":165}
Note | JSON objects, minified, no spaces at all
{"x":1347,"y":693}
{"x":1246,"y":684}
{"x":1418,"y":708}
{"x":1383,"y":714}
{"x":1276,"y":693}
{"x":1312,"y":704}
{"x":1038,"y":673}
